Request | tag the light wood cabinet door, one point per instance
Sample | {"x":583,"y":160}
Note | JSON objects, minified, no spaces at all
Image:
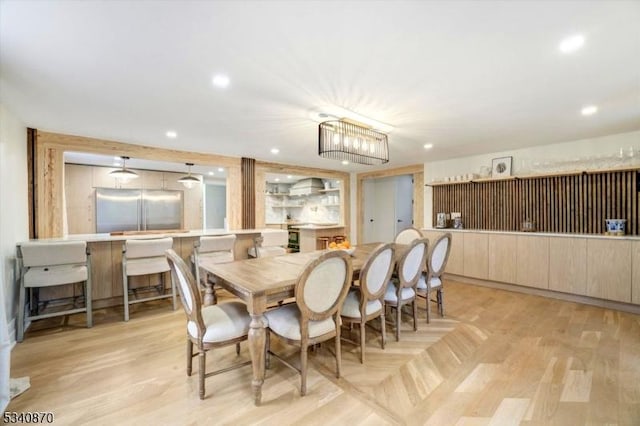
{"x":193,"y":208}
{"x":79,"y":199}
{"x":609,"y":269}
{"x":171,"y":180}
{"x":635,"y":283}
{"x":102,"y":179}
{"x":152,"y":179}
{"x":456,"y":255}
{"x":568,"y":265}
{"x":533,"y":261}
{"x":502,"y":258}
{"x":476,"y":258}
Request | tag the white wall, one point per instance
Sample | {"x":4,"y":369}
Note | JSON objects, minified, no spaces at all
{"x":602,"y":146}
{"x":13,"y":228}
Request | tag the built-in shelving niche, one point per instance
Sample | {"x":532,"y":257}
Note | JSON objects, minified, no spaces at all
{"x":569,"y":203}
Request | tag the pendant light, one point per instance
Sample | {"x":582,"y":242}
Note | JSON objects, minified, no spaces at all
{"x":189,"y":181}
{"x":124,"y":174}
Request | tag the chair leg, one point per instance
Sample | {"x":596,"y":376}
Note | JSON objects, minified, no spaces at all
{"x":441,"y":294}
{"x":238,"y":349}
{"x":189,"y":357}
{"x":303,"y":369}
{"x":398,"y":320}
{"x":87,"y":301}
{"x":203,"y":361}
{"x":362,"y":341}
{"x":267,"y":348}
{"x":125,"y":289}
{"x":415,"y":314}
{"x":428,"y":299}
{"x":338,"y":353}
{"x":21,"y":306}
{"x":383,"y":329}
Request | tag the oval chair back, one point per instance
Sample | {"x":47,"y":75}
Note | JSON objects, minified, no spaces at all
{"x":376,"y":272}
{"x":188,"y":290}
{"x":411,"y":263}
{"x":408,"y":235}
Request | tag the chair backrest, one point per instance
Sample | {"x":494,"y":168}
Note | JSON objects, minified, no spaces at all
{"x":411,"y":264}
{"x":276,"y":237}
{"x":408,"y":235}
{"x":376,"y":272}
{"x":186,"y":284}
{"x":439,"y":255}
{"x":323,"y":286}
{"x":155,"y":247}
{"x":54,"y":253}
{"x":216,"y":244}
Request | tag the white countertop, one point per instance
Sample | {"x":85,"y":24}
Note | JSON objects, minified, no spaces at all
{"x":311,"y":227}
{"x":92,"y":238}
{"x":536,"y":234}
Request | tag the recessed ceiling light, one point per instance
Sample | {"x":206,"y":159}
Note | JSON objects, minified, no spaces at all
{"x":220,"y":169}
{"x":117,"y":158}
{"x":117,"y":163}
{"x":589,"y":110}
{"x":275,"y":150}
{"x":171,"y":134}
{"x":277,"y":179}
{"x":211,"y":173}
{"x":289,"y":176}
{"x":571,"y":44}
{"x":220,"y":80}
{"x":428,"y":146}
{"x":345,"y":162}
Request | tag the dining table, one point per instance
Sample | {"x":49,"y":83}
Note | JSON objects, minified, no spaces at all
{"x":263,"y":282}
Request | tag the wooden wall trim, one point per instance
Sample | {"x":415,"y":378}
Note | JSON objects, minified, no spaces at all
{"x":416,"y":170}
{"x":49,"y":174}
{"x":577,"y":203}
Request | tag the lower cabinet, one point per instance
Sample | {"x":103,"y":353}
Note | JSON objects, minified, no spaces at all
{"x":502,"y":258}
{"x":635,"y":278}
{"x":476,"y":255}
{"x":533,"y":261}
{"x":568,"y":265}
{"x":609,"y":269}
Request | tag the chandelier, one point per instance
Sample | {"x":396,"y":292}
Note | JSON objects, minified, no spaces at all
{"x":349,"y":141}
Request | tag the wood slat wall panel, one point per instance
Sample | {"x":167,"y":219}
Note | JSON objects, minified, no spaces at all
{"x":563,"y":204}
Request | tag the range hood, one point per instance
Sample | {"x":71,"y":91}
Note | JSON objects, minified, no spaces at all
{"x":309,"y":186}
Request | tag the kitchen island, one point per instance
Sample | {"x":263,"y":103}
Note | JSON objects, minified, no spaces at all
{"x":310,"y":233}
{"x":106,"y":261}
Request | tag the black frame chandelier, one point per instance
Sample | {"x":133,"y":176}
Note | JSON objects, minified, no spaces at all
{"x":347,"y":141}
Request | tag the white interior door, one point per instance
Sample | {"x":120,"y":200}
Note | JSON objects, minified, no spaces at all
{"x":369,"y":195}
{"x":404,"y":202}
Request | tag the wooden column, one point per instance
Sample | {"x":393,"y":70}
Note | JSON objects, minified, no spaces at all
{"x":248,"y":170}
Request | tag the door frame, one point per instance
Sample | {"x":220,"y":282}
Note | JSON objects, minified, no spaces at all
{"x":418,"y":192}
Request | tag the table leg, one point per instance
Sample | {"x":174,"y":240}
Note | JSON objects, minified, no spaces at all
{"x":208,"y":291}
{"x":257,"y":342}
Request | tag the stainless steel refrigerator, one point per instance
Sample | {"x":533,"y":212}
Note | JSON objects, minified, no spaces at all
{"x":137,"y":210}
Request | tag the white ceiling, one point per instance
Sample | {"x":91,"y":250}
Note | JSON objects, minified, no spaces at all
{"x":469,"y":77}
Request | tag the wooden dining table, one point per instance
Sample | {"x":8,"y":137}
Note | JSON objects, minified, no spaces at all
{"x":263,"y":282}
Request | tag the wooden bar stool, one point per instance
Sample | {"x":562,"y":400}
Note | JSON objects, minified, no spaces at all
{"x":339,"y":239}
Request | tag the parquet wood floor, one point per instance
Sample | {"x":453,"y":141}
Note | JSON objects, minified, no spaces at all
{"x":498,"y":358}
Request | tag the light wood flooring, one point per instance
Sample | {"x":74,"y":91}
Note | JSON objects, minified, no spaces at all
{"x":498,"y":358}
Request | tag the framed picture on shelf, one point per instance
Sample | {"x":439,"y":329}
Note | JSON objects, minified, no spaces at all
{"x":501,"y":167}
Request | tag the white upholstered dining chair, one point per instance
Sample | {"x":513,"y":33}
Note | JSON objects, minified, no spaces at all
{"x":52,"y":264}
{"x":402,"y":288}
{"x":208,"y":327}
{"x":145,"y":257}
{"x":315,"y":317}
{"x":270,"y":243}
{"x":211,"y":251}
{"x":432,"y":279}
{"x":408,"y":235}
{"x":366,"y":302}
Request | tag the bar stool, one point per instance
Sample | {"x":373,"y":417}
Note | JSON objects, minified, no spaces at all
{"x":270,"y":243}
{"x":144,"y":257}
{"x":323,"y":242}
{"x":52,"y":264}
{"x":211,"y":250}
